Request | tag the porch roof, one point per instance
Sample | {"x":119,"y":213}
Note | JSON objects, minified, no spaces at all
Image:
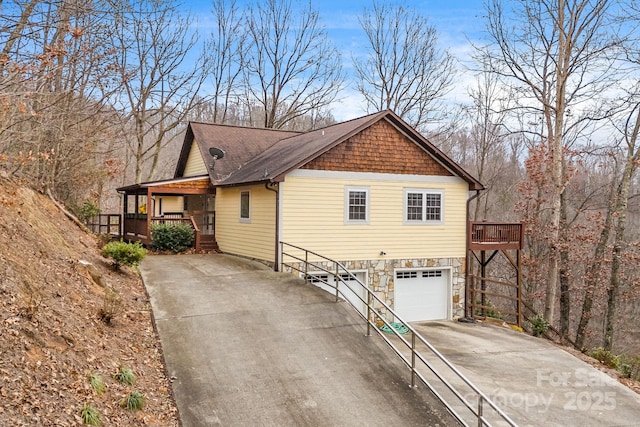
{"x":173,"y":185}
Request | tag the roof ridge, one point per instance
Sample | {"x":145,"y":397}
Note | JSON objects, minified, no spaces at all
{"x":350,"y":120}
{"x":244,"y":127}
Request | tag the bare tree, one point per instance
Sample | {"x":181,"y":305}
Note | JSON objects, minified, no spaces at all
{"x":553,"y":55}
{"x":405,"y":70}
{"x":54,"y":118}
{"x":620,"y":203}
{"x":159,"y":80}
{"x":488,"y":139}
{"x":291,"y":67}
{"x":226,"y":50}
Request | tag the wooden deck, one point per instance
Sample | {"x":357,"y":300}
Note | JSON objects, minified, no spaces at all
{"x":488,"y":236}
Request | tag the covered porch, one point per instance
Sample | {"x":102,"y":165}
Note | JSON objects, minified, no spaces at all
{"x":184,"y":200}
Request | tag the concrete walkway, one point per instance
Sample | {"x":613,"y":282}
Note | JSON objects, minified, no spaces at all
{"x":250,"y":347}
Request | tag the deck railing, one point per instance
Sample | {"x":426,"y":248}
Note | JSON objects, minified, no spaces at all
{"x":495,"y":235}
{"x":481,"y":409}
{"x":106,"y":224}
{"x":135,"y":227}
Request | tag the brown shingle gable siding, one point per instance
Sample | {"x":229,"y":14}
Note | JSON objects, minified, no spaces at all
{"x":381,"y":148}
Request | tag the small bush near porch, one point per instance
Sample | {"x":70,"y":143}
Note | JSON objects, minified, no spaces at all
{"x":122,"y":253}
{"x":172,"y":237}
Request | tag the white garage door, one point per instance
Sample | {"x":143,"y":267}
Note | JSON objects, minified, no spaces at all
{"x":421,"y":295}
{"x":350,"y":292}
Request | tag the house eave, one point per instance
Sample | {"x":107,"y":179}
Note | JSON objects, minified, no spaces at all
{"x":143,"y":186}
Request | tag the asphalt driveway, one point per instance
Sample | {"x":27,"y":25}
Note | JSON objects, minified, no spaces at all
{"x":250,"y":347}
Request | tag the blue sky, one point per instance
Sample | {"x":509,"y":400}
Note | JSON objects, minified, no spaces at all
{"x":456,"y":22}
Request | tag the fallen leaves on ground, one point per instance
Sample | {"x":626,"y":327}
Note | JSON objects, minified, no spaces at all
{"x":51,"y":335}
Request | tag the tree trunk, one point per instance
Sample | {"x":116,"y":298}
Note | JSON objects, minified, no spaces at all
{"x":556,"y":148}
{"x":622,"y":206}
{"x":554,"y":238}
{"x":565,"y":298}
{"x":612,"y":296}
{"x":616,"y":255}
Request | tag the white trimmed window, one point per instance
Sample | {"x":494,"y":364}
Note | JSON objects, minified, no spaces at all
{"x":356,"y":205}
{"x":423,"y":206}
{"x":245,"y":206}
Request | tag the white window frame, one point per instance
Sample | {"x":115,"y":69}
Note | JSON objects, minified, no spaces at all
{"x":347,"y":192}
{"x":248,"y":218}
{"x":424,"y":192}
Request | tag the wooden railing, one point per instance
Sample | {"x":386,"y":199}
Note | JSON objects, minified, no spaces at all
{"x":495,"y":235}
{"x":135,"y":227}
{"x":164,"y":220}
{"x":505,"y":295}
{"x":106,"y":224}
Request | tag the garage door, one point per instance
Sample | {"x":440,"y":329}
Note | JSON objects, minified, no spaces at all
{"x":421,"y":295}
{"x":350,"y":292}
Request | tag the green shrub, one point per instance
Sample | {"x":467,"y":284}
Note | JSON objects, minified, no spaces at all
{"x":87,"y":211}
{"x":97,"y":384}
{"x":125,"y":376}
{"x":606,"y":357}
{"x":539,"y":326}
{"x":90,"y":415}
{"x":129,"y":254}
{"x":488,"y":310}
{"x":625,"y":370}
{"x":630,"y":367}
{"x":172,"y":237}
{"x":133,"y":401}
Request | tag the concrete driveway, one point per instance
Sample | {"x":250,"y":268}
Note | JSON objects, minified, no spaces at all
{"x":250,"y":347}
{"x":530,"y":379}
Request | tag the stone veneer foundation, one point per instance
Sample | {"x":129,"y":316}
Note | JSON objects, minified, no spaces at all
{"x":381,"y":277}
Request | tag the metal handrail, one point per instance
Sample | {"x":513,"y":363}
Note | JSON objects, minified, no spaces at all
{"x":477,"y":409}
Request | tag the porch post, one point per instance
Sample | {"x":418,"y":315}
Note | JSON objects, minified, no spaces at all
{"x":123,"y":217}
{"x":150,"y":208}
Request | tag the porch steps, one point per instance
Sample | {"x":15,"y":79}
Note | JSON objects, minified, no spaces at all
{"x":208,"y":243}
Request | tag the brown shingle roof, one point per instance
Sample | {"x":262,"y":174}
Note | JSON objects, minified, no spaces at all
{"x":290,"y":153}
{"x":263,"y":155}
{"x":240,"y":144}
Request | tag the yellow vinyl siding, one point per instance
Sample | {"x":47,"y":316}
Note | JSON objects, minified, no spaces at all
{"x":171,"y":204}
{"x":195,"y":165}
{"x":254,"y":239}
{"x":313,"y":216}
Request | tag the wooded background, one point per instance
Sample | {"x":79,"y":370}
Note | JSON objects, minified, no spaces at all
{"x":97,"y":94}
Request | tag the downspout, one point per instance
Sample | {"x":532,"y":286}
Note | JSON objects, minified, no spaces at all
{"x":466,"y":260}
{"x":277,"y":234}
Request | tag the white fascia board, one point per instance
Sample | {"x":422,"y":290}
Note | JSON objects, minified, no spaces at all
{"x":373,"y":176}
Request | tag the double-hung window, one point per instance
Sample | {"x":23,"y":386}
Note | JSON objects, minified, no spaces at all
{"x":356,"y":205}
{"x":423,"y":206}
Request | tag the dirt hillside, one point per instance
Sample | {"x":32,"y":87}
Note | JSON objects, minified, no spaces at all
{"x":52,"y":338}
